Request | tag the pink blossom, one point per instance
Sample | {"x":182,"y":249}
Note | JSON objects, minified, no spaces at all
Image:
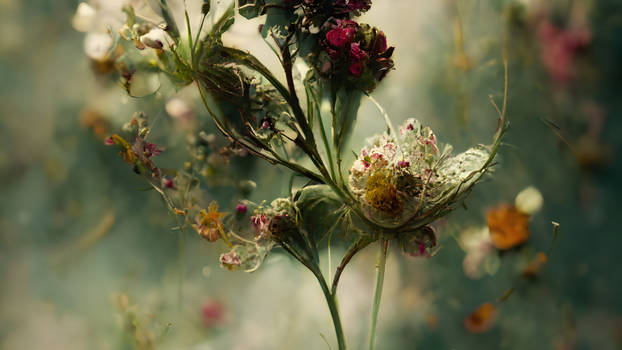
{"x":169,"y":183}
{"x":109,"y":142}
{"x":559,"y":48}
{"x":241,"y":208}
{"x":212,"y":313}
{"x":151,"y":149}
{"x":403,"y":164}
{"x":261,"y":223}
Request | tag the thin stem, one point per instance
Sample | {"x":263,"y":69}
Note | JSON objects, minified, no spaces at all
{"x":382,"y":260}
{"x":331,"y":300}
{"x":182,"y":268}
{"x":196,"y":39}
{"x":355,"y":248}
{"x":190,"y":47}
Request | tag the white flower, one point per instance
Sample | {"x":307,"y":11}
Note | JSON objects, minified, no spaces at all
{"x":397,"y":178}
{"x":529,"y":200}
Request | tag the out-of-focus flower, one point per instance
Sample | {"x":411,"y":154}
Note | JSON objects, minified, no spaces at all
{"x":208,"y":223}
{"x":168,"y":183}
{"x":482,"y":319}
{"x":92,"y":119}
{"x":508,"y":226}
{"x":476,"y":242}
{"x":212,"y":313}
{"x":179,"y":109}
{"x":529,"y":200}
{"x":559,"y":48}
{"x":241,"y":208}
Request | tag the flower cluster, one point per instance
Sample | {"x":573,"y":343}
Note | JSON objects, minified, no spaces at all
{"x":357,"y":52}
{"x":267,"y":223}
{"x":399,"y":178}
{"x":139,"y":153}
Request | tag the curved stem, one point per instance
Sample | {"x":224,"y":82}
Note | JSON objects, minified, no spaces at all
{"x":382,"y":260}
{"x":355,"y":248}
{"x":331,"y":300}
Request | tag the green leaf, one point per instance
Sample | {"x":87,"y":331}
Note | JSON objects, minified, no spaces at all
{"x":345,"y":110}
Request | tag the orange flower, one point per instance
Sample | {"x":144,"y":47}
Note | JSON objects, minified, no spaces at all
{"x":208,"y":223}
{"x":508,"y":227}
{"x":482,"y":319}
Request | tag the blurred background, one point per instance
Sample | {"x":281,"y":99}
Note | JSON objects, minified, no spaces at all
{"x":88,"y":259}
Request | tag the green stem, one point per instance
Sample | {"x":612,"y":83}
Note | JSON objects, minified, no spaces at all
{"x":331,"y":300}
{"x":382,"y":260}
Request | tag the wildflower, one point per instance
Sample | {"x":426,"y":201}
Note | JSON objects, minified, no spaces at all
{"x":260,"y":223}
{"x":230,"y":261}
{"x":151,"y":149}
{"x":208,"y":223}
{"x":397,"y":178}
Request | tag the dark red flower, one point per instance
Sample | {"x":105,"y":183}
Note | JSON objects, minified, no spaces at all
{"x":342,"y":34}
{"x":380,"y":45}
{"x":241,"y":208}
{"x":169,"y":183}
{"x":356,"y":69}
{"x":151,"y":149}
{"x":356,"y":53}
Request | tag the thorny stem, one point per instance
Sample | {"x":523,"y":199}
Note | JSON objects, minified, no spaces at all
{"x":382,"y":260}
